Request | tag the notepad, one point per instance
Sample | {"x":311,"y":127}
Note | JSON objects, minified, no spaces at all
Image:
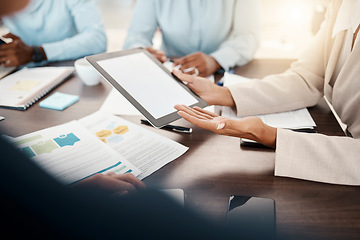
{"x":59,"y":101}
{"x":26,"y":86}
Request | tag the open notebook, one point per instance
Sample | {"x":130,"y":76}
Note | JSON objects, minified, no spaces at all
{"x":24,"y":87}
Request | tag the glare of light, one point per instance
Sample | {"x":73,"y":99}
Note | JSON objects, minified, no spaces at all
{"x":294,"y":12}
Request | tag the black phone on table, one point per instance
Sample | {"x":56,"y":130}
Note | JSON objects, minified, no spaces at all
{"x":251,"y":217}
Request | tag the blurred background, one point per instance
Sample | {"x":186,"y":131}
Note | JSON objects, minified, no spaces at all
{"x":287,"y":25}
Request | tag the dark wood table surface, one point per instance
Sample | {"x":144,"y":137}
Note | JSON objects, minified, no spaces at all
{"x":216,"y":167}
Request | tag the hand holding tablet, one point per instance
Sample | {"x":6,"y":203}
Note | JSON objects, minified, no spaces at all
{"x":146,"y":84}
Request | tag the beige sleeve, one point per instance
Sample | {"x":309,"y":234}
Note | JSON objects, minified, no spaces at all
{"x":317,"y":157}
{"x":300,"y":86}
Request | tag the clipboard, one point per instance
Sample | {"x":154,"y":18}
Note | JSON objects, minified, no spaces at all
{"x":146,"y":84}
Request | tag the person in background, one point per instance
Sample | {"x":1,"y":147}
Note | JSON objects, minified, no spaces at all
{"x":50,"y":30}
{"x":203,"y":35}
{"x":329,"y":67}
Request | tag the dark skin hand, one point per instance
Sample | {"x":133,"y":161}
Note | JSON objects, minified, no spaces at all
{"x":206,"y":64}
{"x":16,"y":53}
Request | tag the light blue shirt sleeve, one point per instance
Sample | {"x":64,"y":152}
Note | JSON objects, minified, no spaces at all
{"x":243,"y":41}
{"x":89,"y":39}
{"x":228,"y":30}
{"x":143,"y":25}
{"x":66,"y":29}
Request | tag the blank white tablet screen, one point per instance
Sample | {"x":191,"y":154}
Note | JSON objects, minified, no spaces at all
{"x":145,"y":81}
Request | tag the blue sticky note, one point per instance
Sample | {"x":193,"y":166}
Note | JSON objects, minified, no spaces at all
{"x":59,"y":101}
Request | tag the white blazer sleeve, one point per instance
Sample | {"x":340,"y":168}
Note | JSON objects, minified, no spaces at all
{"x":318,"y":157}
{"x":300,"y":86}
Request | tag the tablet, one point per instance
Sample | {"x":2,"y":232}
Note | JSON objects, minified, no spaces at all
{"x":146,"y":84}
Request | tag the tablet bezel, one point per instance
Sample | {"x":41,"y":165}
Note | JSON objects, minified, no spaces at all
{"x":159,"y":122}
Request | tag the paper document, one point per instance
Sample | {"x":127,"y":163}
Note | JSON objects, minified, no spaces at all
{"x":145,"y":149}
{"x":296,"y":119}
{"x":4,"y":71}
{"x":70,"y":153}
{"x":24,"y":87}
{"x":117,"y":104}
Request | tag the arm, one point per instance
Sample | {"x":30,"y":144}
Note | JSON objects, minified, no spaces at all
{"x":250,"y":127}
{"x":90,"y":39}
{"x":318,"y":157}
{"x":143,"y":25}
{"x":243,"y":41}
{"x":300,"y":86}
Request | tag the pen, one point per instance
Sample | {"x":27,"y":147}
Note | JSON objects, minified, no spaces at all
{"x":170,"y":127}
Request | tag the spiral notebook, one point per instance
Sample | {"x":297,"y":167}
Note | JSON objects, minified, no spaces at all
{"x":26,"y":86}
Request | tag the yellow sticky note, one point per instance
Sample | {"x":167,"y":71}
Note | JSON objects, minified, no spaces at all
{"x":25,"y":85}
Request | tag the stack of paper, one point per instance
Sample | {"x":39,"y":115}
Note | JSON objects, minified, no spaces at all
{"x":98,"y":143}
{"x":297,"y":119}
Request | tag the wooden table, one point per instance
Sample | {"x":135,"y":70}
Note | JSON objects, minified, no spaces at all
{"x":216,"y":167}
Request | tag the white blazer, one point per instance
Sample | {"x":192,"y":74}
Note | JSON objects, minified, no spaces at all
{"x":312,"y":156}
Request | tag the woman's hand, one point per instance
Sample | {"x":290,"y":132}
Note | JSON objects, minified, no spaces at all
{"x":249,"y":127}
{"x":207,"y":90}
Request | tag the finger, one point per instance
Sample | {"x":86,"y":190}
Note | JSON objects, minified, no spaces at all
{"x":205,"y":111}
{"x":150,"y":50}
{"x":109,"y":184}
{"x":203,"y":114}
{"x":188,"y":65}
{"x":10,"y":35}
{"x":115,"y":185}
{"x":180,"y":61}
{"x":7,"y":47}
{"x":191,"y":112}
{"x":130,"y":178}
{"x":10,"y":62}
{"x":184,"y":77}
{"x":161,"y":57}
{"x":203,"y":123}
{"x":202,"y":70}
{"x":110,"y":174}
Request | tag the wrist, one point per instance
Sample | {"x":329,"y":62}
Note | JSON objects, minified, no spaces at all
{"x":225,"y":97}
{"x":266,"y":135}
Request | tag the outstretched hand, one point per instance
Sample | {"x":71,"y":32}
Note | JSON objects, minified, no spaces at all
{"x":249,"y":127}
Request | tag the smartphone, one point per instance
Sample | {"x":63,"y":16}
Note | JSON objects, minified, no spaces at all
{"x":251,"y":143}
{"x":251,"y":217}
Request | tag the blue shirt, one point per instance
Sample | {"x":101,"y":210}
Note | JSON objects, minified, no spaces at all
{"x":228,"y":30}
{"x":66,"y":29}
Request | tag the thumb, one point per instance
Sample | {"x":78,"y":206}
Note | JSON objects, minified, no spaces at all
{"x":184,"y":77}
{"x":12,"y":36}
